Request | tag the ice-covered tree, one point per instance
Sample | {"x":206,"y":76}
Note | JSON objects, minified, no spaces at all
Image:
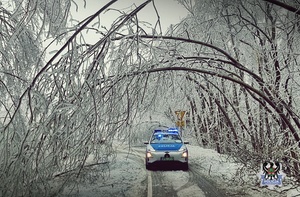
{"x":233,"y":63}
{"x":56,"y":112}
{"x":257,"y":113}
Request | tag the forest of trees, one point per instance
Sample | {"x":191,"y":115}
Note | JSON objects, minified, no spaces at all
{"x":234,"y":64}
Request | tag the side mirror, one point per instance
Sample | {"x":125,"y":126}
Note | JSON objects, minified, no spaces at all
{"x":186,"y":142}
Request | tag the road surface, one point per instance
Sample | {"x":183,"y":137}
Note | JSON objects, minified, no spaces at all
{"x":173,"y":182}
{"x":128,"y":177}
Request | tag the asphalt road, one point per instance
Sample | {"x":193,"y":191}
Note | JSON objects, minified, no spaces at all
{"x":168,"y":181}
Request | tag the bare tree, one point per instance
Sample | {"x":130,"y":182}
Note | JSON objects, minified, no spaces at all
{"x":238,"y":59}
{"x":260,"y":42}
{"x":57,"y":114}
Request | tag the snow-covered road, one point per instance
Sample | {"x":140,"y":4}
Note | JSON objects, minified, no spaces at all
{"x":128,"y":177}
{"x":210,"y":175}
{"x":182,"y":184}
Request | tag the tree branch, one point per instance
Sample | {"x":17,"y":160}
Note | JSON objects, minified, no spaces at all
{"x":285,"y":6}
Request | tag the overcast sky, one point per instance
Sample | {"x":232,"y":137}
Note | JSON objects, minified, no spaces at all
{"x":170,"y":11}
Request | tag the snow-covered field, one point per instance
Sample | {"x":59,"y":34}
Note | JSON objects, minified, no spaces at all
{"x":128,"y":177}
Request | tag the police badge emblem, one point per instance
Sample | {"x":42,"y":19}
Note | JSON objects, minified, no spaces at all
{"x":271,"y":174}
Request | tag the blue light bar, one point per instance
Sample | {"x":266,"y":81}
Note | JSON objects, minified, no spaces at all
{"x":159,"y":130}
{"x":173,"y":130}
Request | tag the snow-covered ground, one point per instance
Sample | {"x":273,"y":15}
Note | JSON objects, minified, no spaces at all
{"x":229,"y":176}
{"x":127,"y":177}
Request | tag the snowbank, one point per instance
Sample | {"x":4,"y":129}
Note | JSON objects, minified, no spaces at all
{"x":233,"y":178}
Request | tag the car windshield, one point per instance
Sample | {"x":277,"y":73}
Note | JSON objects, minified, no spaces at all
{"x":165,"y":138}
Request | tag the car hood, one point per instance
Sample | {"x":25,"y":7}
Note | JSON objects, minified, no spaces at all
{"x":166,"y":146}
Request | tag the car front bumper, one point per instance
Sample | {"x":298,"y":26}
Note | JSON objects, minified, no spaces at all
{"x":167,"y":156}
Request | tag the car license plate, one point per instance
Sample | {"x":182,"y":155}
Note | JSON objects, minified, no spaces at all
{"x":167,"y":158}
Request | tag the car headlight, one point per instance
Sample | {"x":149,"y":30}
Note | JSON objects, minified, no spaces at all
{"x":184,"y":154}
{"x":184,"y":151}
{"x":149,"y":150}
{"x":149,"y":155}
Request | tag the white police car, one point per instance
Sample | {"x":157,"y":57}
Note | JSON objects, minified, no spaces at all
{"x":166,"y":147}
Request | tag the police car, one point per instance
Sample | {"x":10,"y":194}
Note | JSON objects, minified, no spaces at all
{"x":166,"y":147}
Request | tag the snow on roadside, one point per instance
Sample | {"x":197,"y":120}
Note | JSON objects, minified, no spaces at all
{"x":227,"y":175}
{"x":126,"y":177}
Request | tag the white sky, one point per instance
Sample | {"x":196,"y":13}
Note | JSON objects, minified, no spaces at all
{"x":170,"y":11}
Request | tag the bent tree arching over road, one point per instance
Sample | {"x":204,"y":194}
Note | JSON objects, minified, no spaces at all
{"x":232,"y":65}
